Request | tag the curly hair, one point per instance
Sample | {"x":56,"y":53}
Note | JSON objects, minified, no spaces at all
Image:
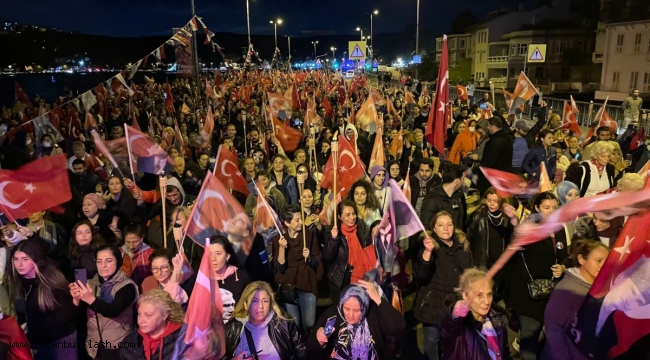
{"x":163,"y":302}
{"x":371,"y":200}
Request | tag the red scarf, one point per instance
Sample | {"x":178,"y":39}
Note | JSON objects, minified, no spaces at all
{"x":150,"y":344}
{"x":362,"y":259}
{"x":599,"y":167}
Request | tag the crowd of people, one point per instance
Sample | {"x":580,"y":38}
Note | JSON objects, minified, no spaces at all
{"x":99,"y":272}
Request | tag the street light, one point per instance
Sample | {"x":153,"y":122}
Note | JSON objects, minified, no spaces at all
{"x":275,"y":26}
{"x":360,"y":29}
{"x":376,"y":12}
{"x":314,"y":42}
{"x":333,"y":52}
{"x":248,"y":23}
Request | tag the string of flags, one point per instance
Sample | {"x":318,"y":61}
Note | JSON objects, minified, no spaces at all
{"x":276,"y":54}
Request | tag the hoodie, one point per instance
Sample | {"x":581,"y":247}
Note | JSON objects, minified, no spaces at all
{"x":382,"y":193}
{"x":564,"y":303}
{"x":136,"y":265}
{"x":260,"y":335}
{"x":274,"y":197}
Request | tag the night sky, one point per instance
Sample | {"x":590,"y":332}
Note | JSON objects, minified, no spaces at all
{"x":157,"y":17}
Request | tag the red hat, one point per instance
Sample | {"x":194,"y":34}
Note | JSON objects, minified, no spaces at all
{"x":116,"y":111}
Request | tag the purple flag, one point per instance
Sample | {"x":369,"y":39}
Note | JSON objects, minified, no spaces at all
{"x":400,"y":221}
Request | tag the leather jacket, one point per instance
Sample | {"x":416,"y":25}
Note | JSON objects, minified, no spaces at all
{"x":284,"y":334}
{"x":462,"y":339}
{"x":478,"y":235}
{"x":337,"y":251}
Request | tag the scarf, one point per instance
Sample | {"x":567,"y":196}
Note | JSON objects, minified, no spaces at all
{"x":150,"y":344}
{"x":599,"y":167}
{"x":362,"y":260}
{"x":354,"y":340}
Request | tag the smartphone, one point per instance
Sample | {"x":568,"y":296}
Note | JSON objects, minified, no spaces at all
{"x":483,"y":106}
{"x":628,"y":157}
{"x":329,"y":325}
{"x":81,"y":275}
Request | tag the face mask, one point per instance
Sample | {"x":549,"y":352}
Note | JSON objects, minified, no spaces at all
{"x":471,"y":129}
{"x":47,"y":144}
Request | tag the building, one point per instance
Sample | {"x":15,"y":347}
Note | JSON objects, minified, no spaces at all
{"x":623,"y":48}
{"x":500,"y":41}
{"x":460,"y":56}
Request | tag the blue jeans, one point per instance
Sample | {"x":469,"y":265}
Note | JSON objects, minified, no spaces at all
{"x":66,"y":349}
{"x":529,"y":338}
{"x":305,"y":312}
{"x":431,"y":336}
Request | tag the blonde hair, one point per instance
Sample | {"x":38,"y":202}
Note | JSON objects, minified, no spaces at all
{"x":601,"y":148}
{"x":469,"y":277}
{"x":241,"y":309}
{"x":163,"y":302}
{"x":630,"y":182}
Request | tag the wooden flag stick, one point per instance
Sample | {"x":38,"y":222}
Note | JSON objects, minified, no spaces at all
{"x":163,"y":200}
{"x":335,"y":152}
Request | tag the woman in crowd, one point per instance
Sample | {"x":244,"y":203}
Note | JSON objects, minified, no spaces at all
{"x":283,"y":180}
{"x":543,"y":151}
{"x":109,"y":298}
{"x":362,"y":322}
{"x":298,"y":267}
{"x":596,"y":175}
{"x":437,"y":269}
{"x":394,"y":172}
{"x":43,"y":292}
{"x":367,"y":205}
{"x":457,"y":128}
{"x":567,"y":192}
{"x":465,"y":143}
{"x":323,"y":154}
{"x":349,"y":248}
{"x":248,"y":169}
{"x":379,"y":184}
{"x":299,"y":158}
{"x":311,"y":211}
{"x":607,"y":230}
{"x":120,"y":201}
{"x":94,"y":210}
{"x":588,"y":257}
{"x":160,"y":321}
{"x":489,"y":231}
{"x":630,"y":182}
{"x":84,"y":242}
{"x":274,"y":196}
{"x":620,"y":164}
{"x":258,"y":329}
{"x":475,"y":330}
{"x":543,"y":260}
{"x":166,"y":270}
{"x":231,"y":277}
{"x":304,"y":176}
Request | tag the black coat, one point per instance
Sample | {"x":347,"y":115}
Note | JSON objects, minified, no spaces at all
{"x":437,"y":279}
{"x":415,"y":187}
{"x":135,"y":350}
{"x":337,"y":251}
{"x":437,"y":200}
{"x":383,"y":320}
{"x":284,"y":334}
{"x":497,"y":155}
{"x":461,"y":339}
{"x":478,"y":235}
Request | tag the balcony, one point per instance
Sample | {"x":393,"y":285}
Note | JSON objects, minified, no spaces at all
{"x":597,"y":58}
{"x":498,"y":59}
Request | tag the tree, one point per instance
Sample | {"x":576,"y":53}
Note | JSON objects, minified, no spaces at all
{"x":464,"y":19}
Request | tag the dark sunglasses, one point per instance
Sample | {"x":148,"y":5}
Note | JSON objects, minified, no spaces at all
{"x":177,"y":226}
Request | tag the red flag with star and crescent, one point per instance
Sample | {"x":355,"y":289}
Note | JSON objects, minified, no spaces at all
{"x":37,"y":186}
{"x":146,"y":155}
{"x":570,"y":122}
{"x":436,"y":130}
{"x":615,"y":316}
{"x":226,"y":170}
{"x":289,"y":137}
{"x":461,"y":91}
{"x":215,"y":212}
{"x":350,"y":168}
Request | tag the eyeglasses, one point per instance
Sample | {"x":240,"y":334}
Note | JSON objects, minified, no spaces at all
{"x":177,"y":226}
{"x":160,"y":269}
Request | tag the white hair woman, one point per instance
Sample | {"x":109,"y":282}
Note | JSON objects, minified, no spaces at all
{"x":597,"y":174}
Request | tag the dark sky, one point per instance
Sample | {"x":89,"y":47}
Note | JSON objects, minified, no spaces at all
{"x":157,"y":17}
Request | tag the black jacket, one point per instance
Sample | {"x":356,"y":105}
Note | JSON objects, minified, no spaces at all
{"x":337,"y":251}
{"x":437,"y":200}
{"x":478,"y":235}
{"x":135,"y":350}
{"x":41,"y":324}
{"x":437,"y":279}
{"x":415,"y":187}
{"x":383,"y":320}
{"x":497,"y":155}
{"x":461,"y":337}
{"x":287,"y":339}
{"x":585,"y":177}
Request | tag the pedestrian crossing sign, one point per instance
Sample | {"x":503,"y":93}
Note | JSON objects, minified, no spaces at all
{"x":357,"y":50}
{"x":536,"y":53}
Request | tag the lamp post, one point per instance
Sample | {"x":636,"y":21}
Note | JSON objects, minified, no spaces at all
{"x":289,"y":44}
{"x":275,"y":27}
{"x":371,"y":14}
{"x":248,"y":22}
{"x":315,"y":42}
{"x":360,"y":29}
{"x":333,"y":52}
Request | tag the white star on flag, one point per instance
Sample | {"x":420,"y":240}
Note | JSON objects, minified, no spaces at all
{"x":343,"y":169}
{"x":30,"y":187}
{"x":442,"y":107}
{"x":625,"y":249}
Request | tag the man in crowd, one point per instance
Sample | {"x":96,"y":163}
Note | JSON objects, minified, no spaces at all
{"x":631,"y":110}
{"x":447,"y":196}
{"x":497,"y":151}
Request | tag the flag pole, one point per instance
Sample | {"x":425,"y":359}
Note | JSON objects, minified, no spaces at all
{"x":163,"y":200}
{"x":128,"y":147}
{"x":301,"y":187}
{"x":335,"y":152}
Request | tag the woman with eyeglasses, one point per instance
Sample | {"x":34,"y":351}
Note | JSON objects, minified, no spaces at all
{"x":166,"y":270}
{"x":109,"y":297}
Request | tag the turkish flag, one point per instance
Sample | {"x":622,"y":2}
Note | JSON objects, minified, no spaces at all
{"x":289,"y":137}
{"x":436,"y":129}
{"x":291,"y":95}
{"x":217,"y":212}
{"x":37,"y":186}
{"x":367,"y":115}
{"x":510,"y":98}
{"x":12,"y":333}
{"x":100,"y":91}
{"x":378,"y":155}
{"x":178,"y":135}
{"x":524,"y":90}
{"x":507,"y":184}
{"x":311,"y":116}
{"x":638,"y":139}
{"x":574,"y":107}
{"x":74,"y":125}
{"x":350,"y":168}
{"x":544,"y":180}
{"x":146,"y":155}
{"x":22,"y":96}
{"x":569,"y":120}
{"x":226,"y":169}
{"x":280,"y":107}
{"x":408,"y":97}
{"x":397,"y":144}
{"x":206,"y":130}
{"x":328,"y":108}
{"x":264,"y":217}
{"x":461,"y":91}
{"x":204,"y":316}
{"x":55,"y":117}
{"x":604,"y":119}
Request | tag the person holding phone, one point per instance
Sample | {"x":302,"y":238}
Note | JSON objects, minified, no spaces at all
{"x":357,"y":326}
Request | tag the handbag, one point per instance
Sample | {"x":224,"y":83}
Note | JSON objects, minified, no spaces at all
{"x":397,"y":301}
{"x":538,"y":289}
{"x":287,"y":293}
